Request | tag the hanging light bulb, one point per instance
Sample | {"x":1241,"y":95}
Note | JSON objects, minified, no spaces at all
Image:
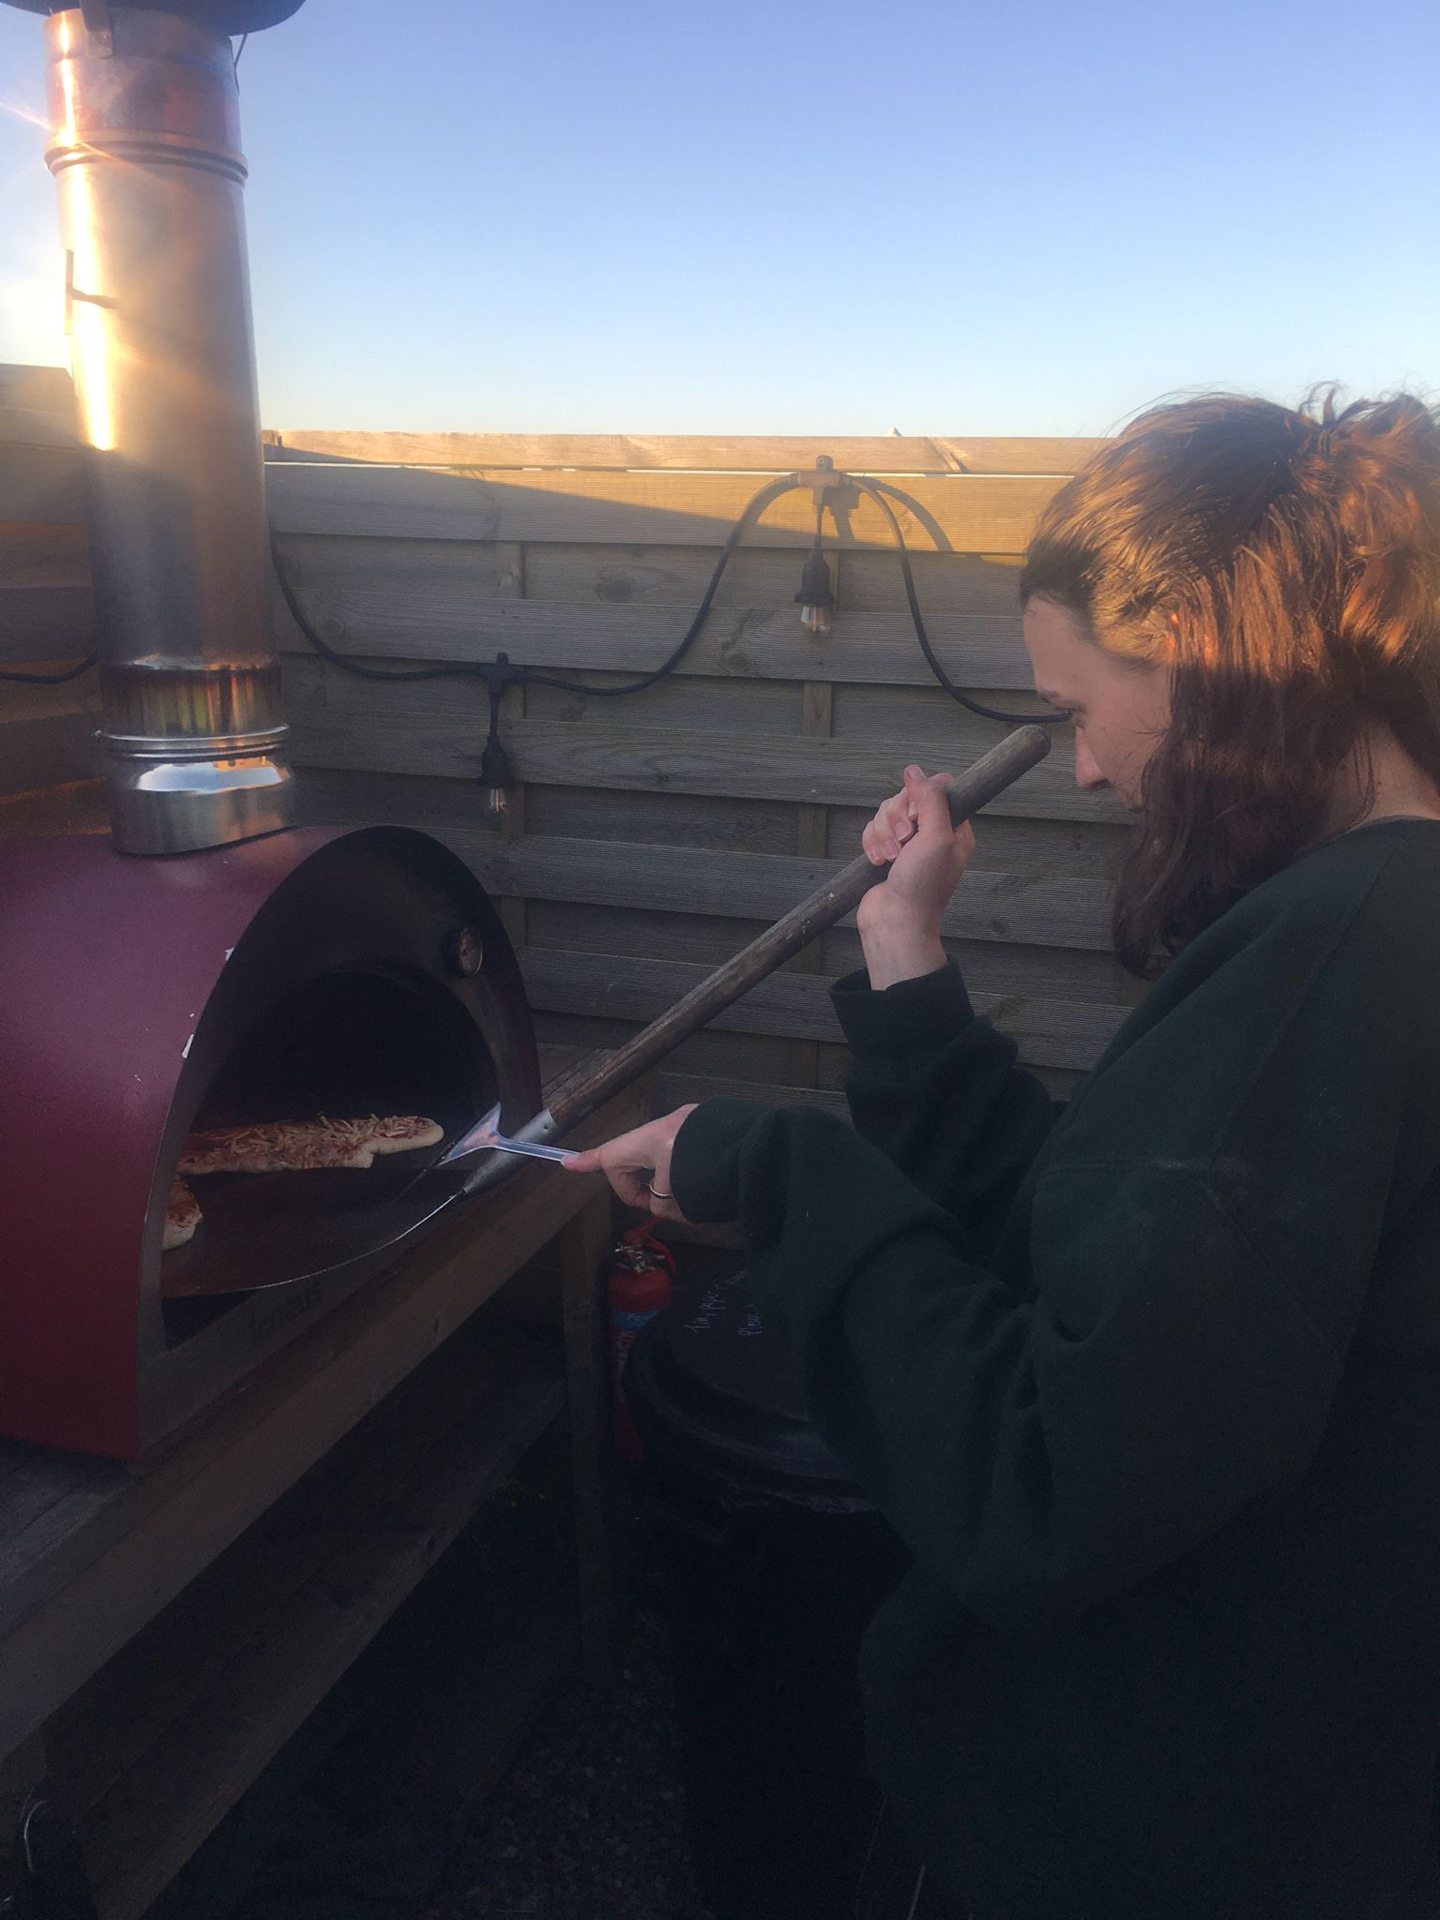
{"x":816,"y":598}
{"x":494,"y":761}
{"x":495,"y":774}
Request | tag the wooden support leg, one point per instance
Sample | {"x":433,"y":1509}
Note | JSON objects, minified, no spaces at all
{"x":582,"y":1247}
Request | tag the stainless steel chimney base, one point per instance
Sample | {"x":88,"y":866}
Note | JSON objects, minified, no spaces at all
{"x":215,"y":792}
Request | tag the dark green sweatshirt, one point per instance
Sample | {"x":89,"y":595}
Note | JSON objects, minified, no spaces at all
{"x":1152,"y":1391}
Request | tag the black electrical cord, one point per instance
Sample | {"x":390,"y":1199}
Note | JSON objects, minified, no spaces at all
{"x":499,"y":674}
{"x":50,"y":679}
{"x":752,"y":511}
{"x":454,"y":669}
{"x":877,"y":490}
{"x":530,"y":676}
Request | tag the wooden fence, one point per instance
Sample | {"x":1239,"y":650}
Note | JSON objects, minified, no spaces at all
{"x":647,"y":838}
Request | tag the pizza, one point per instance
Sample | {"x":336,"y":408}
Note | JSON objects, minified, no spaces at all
{"x":301,"y":1146}
{"x":276,"y":1146}
{"x":389,"y":1133}
{"x":182,"y":1217}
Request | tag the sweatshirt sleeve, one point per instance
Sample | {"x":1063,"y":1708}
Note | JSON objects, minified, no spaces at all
{"x":1193,"y":1298}
{"x":936,"y":1088}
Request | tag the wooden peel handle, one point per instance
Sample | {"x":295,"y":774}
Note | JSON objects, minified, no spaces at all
{"x":1004,"y":764}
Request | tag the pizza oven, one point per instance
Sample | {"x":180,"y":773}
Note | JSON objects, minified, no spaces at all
{"x":312,"y":972}
{"x":208,"y":964}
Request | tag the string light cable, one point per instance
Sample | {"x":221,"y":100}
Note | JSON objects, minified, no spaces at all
{"x":877,"y":489}
{"x":50,"y":679}
{"x":815,"y":596}
{"x":532,"y":676}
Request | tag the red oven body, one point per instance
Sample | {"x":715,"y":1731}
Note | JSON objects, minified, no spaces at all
{"x":127,"y":986}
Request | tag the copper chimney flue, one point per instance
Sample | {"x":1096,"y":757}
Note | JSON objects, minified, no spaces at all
{"x":145,"y":151}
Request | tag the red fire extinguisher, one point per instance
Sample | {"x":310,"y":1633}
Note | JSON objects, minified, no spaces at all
{"x":639,"y":1276}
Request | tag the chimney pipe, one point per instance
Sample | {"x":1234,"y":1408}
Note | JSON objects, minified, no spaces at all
{"x":146,"y":157}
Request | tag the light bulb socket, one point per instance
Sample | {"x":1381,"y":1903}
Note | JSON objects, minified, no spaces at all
{"x":815,"y":586}
{"x":495,"y":772}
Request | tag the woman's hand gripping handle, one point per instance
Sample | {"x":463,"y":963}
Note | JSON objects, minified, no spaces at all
{"x":899,"y":920}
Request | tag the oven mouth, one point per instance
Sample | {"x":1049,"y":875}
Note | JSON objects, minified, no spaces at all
{"x":342,"y":1046}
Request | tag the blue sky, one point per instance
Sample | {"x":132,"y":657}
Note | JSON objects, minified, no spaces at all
{"x":781,"y":216}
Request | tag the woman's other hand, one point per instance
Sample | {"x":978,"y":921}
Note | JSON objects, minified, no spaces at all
{"x":637,"y":1164}
{"x":899,"y":920}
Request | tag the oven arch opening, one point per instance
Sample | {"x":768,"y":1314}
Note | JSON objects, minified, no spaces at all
{"x":343,"y":1045}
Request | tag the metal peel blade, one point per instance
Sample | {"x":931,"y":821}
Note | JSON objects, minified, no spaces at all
{"x":485,"y":1136}
{"x":530,"y":1148}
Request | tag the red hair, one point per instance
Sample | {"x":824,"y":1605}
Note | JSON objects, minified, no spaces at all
{"x":1285,"y":564}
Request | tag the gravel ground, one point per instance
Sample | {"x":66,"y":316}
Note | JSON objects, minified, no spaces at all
{"x":586,"y":1823}
{"x":589,"y":1823}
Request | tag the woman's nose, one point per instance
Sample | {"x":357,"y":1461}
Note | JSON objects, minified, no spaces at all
{"x":1087,"y":771}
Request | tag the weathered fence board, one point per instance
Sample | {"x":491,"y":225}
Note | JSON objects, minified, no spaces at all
{"x":45,"y":749}
{"x":40,"y":484}
{"x":654,"y":933}
{"x":964,"y":512}
{"x":990,"y":906}
{"x":1053,"y":1033}
{"x":990,"y":966}
{"x":661,"y":761}
{"x":684,"y":820}
{"x":733,"y":703}
{"x":45,"y":389}
{"x":401,"y":621}
{"x":45,"y":601}
{"x":762,"y":453}
{"x":870,"y":580}
{"x":45,"y":623}
{"x":36,"y":407}
{"x":455,"y":600}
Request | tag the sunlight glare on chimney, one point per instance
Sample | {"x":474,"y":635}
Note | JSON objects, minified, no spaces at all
{"x":90,"y":346}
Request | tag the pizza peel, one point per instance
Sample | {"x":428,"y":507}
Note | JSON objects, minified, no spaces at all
{"x":289,"y":1225}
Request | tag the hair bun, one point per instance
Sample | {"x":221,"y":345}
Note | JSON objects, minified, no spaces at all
{"x":1391,"y":444}
{"x":1372,"y":470}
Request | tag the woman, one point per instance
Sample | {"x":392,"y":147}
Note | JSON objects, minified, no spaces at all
{"x":1151,"y":1387}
